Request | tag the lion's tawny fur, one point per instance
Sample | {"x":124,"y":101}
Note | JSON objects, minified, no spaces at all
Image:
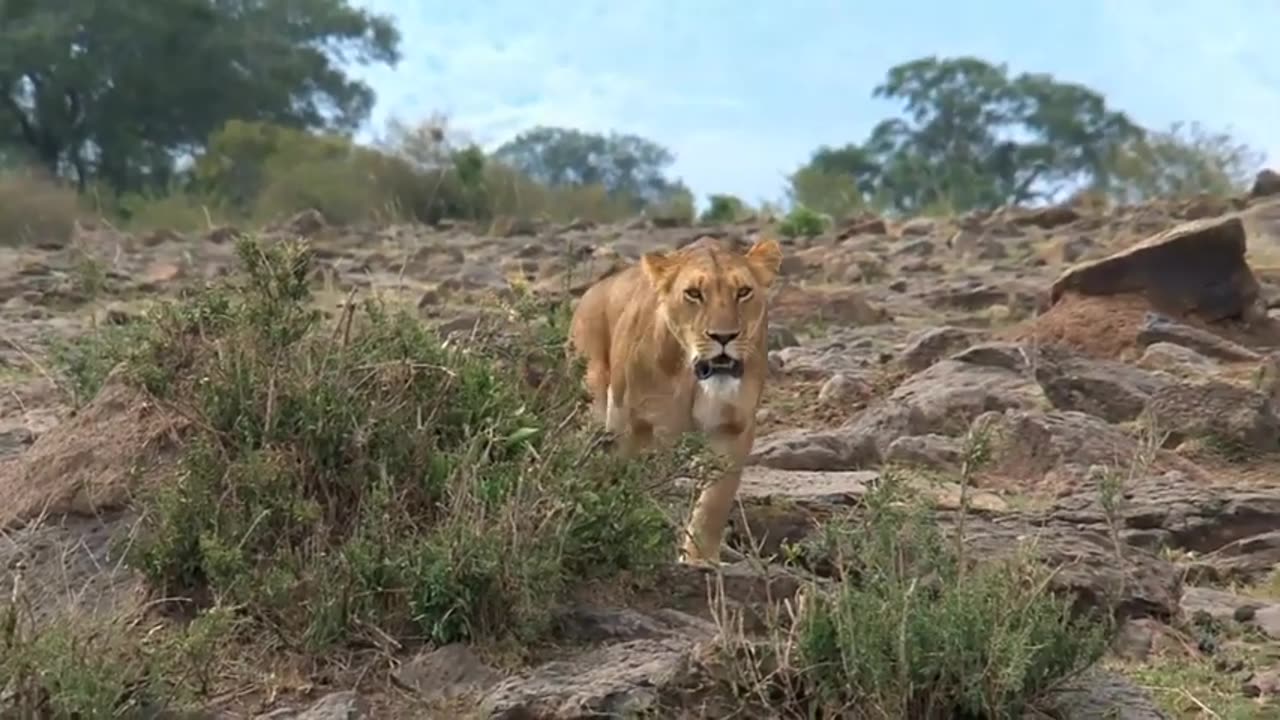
{"x":641,"y":332}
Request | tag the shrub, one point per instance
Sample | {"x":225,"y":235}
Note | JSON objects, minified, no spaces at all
{"x":831,"y":193}
{"x":675,"y":208}
{"x":334,"y":186}
{"x":177,"y":210}
{"x":81,"y":666}
{"x":373,"y":476}
{"x":724,"y":209}
{"x":35,"y":209}
{"x":802,"y":222}
{"x":85,"y":362}
{"x":265,"y":172}
{"x":911,"y":630}
{"x":517,"y":196}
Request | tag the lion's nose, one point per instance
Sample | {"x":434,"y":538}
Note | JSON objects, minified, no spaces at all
{"x":724,"y":338}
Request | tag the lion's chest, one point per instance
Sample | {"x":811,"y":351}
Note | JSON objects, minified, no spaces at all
{"x":716,"y":403}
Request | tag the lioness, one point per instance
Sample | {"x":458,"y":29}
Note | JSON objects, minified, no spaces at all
{"x":677,"y":343}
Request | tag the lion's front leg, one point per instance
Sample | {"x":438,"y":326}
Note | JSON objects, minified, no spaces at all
{"x":636,"y":437}
{"x":710,"y":515}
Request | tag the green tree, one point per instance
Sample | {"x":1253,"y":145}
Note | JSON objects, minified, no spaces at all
{"x":833,"y":193}
{"x":117,"y":90}
{"x":971,"y":136}
{"x":627,"y":166}
{"x":1181,"y":161}
{"x":722,"y":208}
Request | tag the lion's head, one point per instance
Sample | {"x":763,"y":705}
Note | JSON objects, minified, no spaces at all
{"x":713,"y":301}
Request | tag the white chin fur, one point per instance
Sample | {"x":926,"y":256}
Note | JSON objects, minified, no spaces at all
{"x":720,"y":387}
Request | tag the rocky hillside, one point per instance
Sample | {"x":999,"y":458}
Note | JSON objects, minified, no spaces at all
{"x":1121,"y":363}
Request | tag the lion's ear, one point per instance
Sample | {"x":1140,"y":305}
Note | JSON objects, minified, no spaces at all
{"x":765,"y":257}
{"x":657,"y":266}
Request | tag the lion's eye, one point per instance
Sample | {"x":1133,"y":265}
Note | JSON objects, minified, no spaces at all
{"x":744,"y":293}
{"x":693,"y":294}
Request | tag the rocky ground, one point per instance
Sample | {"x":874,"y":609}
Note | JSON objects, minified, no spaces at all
{"x":1124,"y":362}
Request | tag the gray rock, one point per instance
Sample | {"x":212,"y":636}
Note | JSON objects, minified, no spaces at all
{"x":842,"y":390}
{"x":1176,"y":359}
{"x":932,"y":451}
{"x":620,"y":680}
{"x":927,"y":347}
{"x":1240,"y":417}
{"x":1098,"y":695}
{"x":1157,"y":328}
{"x":1111,"y":390}
{"x":1064,"y":446}
{"x":345,"y":705}
{"x":1197,"y":267}
{"x":1217,"y":604}
{"x":446,"y":673}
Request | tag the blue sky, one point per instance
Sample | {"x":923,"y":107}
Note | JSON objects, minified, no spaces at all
{"x":742,"y":91}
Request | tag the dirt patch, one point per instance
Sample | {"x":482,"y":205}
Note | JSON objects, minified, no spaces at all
{"x":1104,"y":327}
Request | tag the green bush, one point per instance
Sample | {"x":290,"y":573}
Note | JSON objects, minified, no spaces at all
{"x":911,"y":630}
{"x":677,"y":208}
{"x":802,"y":222}
{"x":265,"y":172}
{"x":85,"y":362}
{"x":79,"y":666}
{"x":830,"y":193}
{"x":373,"y":476}
{"x":724,"y":209}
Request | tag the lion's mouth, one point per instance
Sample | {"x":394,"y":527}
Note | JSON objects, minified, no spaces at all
{"x":720,"y":365}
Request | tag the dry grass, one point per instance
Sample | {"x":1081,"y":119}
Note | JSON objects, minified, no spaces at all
{"x":35,"y":209}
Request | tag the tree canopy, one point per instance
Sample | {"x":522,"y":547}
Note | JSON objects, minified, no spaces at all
{"x":972,"y":135}
{"x":627,"y":166}
{"x":117,"y":91}
{"x":249,"y":105}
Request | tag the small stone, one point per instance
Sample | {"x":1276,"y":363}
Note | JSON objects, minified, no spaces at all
{"x":1262,"y":684}
{"x":1268,"y":620}
{"x":445,"y":673}
{"x":843,"y":390}
{"x":926,"y":347}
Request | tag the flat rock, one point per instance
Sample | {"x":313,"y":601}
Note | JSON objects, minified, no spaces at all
{"x":1099,"y":695}
{"x":1227,"y":413}
{"x":446,"y":673}
{"x":1197,"y":267}
{"x":345,"y":705}
{"x":1217,"y":604}
{"x":1064,"y":448}
{"x":930,"y":345}
{"x":1158,"y":328}
{"x":620,"y":680}
{"x":1114,"y":391}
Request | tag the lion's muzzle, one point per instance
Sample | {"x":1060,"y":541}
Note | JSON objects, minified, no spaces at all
{"x":720,"y":365}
